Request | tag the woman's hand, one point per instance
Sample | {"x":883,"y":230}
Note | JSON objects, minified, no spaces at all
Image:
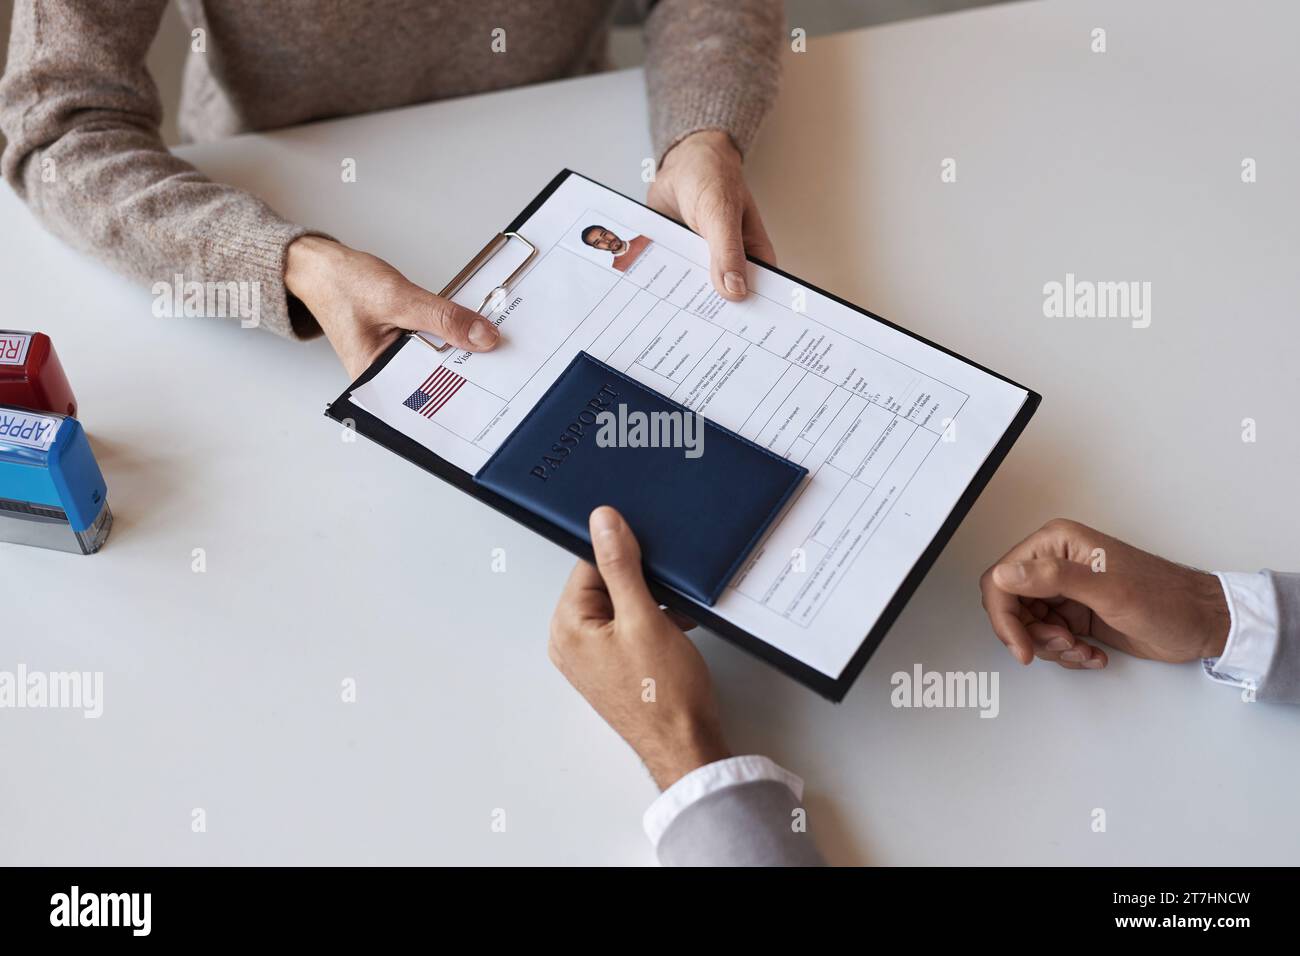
{"x":362,"y":303}
{"x":701,"y":183}
{"x":631,"y":660}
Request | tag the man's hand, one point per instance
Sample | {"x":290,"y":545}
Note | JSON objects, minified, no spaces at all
{"x":1045,"y":599}
{"x":362,"y":303}
{"x":609,"y":637}
{"x":702,"y":184}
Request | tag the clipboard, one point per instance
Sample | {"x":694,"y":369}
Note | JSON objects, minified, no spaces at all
{"x":344,"y":411}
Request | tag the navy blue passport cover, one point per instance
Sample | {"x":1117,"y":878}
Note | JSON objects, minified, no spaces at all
{"x":697,"y":519}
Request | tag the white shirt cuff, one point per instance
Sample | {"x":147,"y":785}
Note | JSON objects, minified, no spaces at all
{"x":710,"y":778}
{"x":1253,"y":634}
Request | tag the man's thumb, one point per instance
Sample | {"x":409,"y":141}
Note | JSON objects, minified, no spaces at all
{"x":618,"y":558}
{"x":1056,"y":577}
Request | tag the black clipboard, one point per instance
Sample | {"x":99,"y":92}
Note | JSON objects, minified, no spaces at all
{"x":343,"y":410}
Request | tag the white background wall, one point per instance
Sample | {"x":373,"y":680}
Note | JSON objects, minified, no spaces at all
{"x":815,"y":16}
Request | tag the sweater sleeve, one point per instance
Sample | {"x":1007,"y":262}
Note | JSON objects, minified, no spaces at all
{"x":81,"y":114}
{"x":712,"y":64}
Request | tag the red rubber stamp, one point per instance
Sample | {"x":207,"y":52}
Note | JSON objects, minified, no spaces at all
{"x":31,"y":375}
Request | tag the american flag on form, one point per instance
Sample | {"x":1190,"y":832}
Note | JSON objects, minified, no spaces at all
{"x":436,"y":391}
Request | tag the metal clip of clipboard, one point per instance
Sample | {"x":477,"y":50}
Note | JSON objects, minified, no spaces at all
{"x":495,"y":245}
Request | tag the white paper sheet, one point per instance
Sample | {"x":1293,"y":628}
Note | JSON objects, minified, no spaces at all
{"x":891,"y":430}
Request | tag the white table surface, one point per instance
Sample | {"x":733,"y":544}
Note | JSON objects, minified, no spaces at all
{"x":329,"y":560}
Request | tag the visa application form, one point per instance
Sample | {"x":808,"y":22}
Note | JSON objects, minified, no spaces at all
{"x":891,"y":429}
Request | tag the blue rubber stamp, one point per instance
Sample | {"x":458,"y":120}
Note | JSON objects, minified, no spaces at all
{"x":52,"y":493}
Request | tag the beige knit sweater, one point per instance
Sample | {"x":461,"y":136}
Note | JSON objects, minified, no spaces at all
{"x":81,"y":112}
